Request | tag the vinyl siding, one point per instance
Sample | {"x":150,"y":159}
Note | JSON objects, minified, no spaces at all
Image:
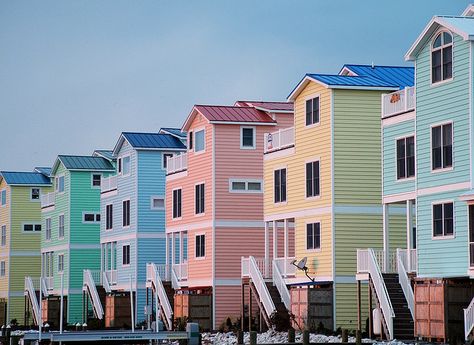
{"x":199,"y":268}
{"x":346,"y":305}
{"x":228,"y":303}
{"x":5,"y":220}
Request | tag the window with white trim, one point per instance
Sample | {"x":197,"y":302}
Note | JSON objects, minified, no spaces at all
{"x":443,"y":219}
{"x":312,"y":179}
{"x":109,"y":214}
{"x":442,"y":57}
{"x":96,"y":179}
{"x":405,"y":157}
{"x":61,"y":263}
{"x":61,"y":226}
{"x":126,"y":213}
{"x":35,"y":194}
{"x":177,"y":194}
{"x":279,"y":179}
{"x":199,"y":141}
{"x":59,"y":184}
{"x":126,"y":165}
{"x":4,"y":235}
{"x":199,"y":198}
{"x":3,"y":197}
{"x":2,"y":269}
{"x":312,"y":111}
{"x":190,"y":141}
{"x":247,"y":137}
{"x":442,"y":146}
{"x":200,"y":246}
{"x":90,"y":217}
{"x":313,"y":236}
{"x":48,"y":229}
{"x":158,"y":203}
{"x":31,"y":227}
{"x":126,"y":255}
{"x":245,"y":186}
{"x":165,"y":158}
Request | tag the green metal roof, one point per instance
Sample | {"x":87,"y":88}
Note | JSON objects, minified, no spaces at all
{"x":85,"y":163}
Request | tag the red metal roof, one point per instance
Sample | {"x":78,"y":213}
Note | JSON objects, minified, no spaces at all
{"x":233,"y":114}
{"x":272,"y":106}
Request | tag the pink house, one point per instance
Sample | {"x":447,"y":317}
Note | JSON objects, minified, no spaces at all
{"x":214,"y":205}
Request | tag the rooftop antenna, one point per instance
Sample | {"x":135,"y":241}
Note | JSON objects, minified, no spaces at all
{"x":302,"y":266}
{"x":373,"y":66}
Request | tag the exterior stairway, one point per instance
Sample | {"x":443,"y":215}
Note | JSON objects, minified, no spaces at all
{"x":281,"y":318}
{"x":403,"y":326}
{"x":169,"y":292}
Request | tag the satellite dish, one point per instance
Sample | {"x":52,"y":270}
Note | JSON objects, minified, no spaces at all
{"x":302,"y":264}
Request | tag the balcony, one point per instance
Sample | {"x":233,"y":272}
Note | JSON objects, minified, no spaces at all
{"x":177,"y":163}
{"x":48,"y":199}
{"x":279,"y":140}
{"x":111,"y":277}
{"x":391,"y":267}
{"x":181,"y":271}
{"x":108,"y":184}
{"x":398,"y":102}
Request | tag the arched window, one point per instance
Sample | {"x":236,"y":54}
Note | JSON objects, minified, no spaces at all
{"x":442,"y":57}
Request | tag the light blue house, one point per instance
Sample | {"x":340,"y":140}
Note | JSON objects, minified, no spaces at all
{"x":132,"y":223}
{"x":428,"y":168}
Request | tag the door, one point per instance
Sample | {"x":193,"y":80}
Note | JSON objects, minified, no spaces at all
{"x":471,"y":235}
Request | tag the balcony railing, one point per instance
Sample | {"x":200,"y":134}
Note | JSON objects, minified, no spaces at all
{"x":108,"y":183}
{"x":49,"y":281}
{"x":177,"y":163}
{"x":48,"y":199}
{"x":181,"y":271}
{"x":398,"y":102}
{"x":111,"y":277}
{"x":264,"y":267}
{"x":280,"y":139}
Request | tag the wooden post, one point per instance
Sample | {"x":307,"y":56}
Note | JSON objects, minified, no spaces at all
{"x":305,"y":337}
{"x":386,"y":236}
{"x":359,"y":316}
{"x":250,"y":306}
{"x":253,"y":338}
{"x":242,"y":307}
{"x":371,"y":322}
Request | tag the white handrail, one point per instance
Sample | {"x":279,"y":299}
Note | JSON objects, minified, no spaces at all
{"x":161,"y":294}
{"x":48,"y":199}
{"x":469,"y":319}
{"x":108,"y":183}
{"x":280,"y":139}
{"x":259,"y":283}
{"x":30,"y":290}
{"x":174,"y":280}
{"x":105,"y":283}
{"x":405,"y":282}
{"x":398,"y":101}
{"x":111,"y":277}
{"x":280,"y":284}
{"x":89,"y":286}
{"x":381,"y":291}
{"x":177,"y":163}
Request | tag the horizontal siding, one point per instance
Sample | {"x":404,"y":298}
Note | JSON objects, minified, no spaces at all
{"x":346,"y":306}
{"x":228,"y":303}
{"x":79,"y":261}
{"x":200,"y":268}
{"x":5,"y":220}
{"x":283,"y":121}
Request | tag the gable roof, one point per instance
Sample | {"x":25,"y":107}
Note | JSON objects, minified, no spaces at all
{"x":228,"y":114}
{"x":469,"y":11}
{"x":107,"y":154}
{"x":462,"y":26}
{"x":402,"y":76}
{"x":25,"y":178}
{"x":46,"y":171}
{"x":174,"y":132}
{"x":149,"y":141}
{"x":283,"y":107}
{"x":86,"y":163}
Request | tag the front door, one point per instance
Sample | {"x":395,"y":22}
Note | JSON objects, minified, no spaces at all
{"x":471,"y":236}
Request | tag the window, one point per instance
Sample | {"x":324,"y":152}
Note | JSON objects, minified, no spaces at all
{"x":442,"y":146}
{"x":200,"y":246}
{"x":166,"y":156}
{"x":31,"y":227}
{"x":90,"y":217}
{"x":126,"y":165}
{"x":126,"y":255}
{"x":245,"y":186}
{"x":126,"y":213}
{"x":442,"y":57}
{"x":312,"y":179}
{"x":4,"y":235}
{"x":59,"y":184}
{"x":35,"y":193}
{"x":60,"y":263}
{"x":199,"y":198}
{"x":247,"y":137}
{"x":2,"y":269}
{"x":443,"y":219}
{"x":312,"y":111}
{"x":96,"y":180}
{"x":109,"y":216}
{"x":280,"y":185}
{"x":190,"y":140}
{"x":3,"y":197}
{"x":48,"y":229}
{"x":177,"y":203}
{"x":313,"y":236}
{"x":157,"y":203}
{"x":199,"y":144}
{"x":405,"y":157}
{"x":119,"y":165}
{"x":61,"y":226}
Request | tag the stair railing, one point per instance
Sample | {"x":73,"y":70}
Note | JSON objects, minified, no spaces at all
{"x":262,"y":290}
{"x":404,"y":281}
{"x":30,"y":290}
{"x":280,"y":284}
{"x":469,"y":319}
{"x":105,"y":283}
{"x":161,"y":294}
{"x":89,"y":286}
{"x":381,"y":291}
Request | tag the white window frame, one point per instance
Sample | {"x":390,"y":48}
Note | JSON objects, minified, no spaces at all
{"x":307,"y":98}
{"x":129,"y":214}
{"x":411,"y":178}
{"x":3,"y":235}
{"x":152,"y":205}
{"x":314,"y":250}
{"x":59,"y":226}
{"x":56,"y":184}
{"x":31,"y":194}
{"x":105,"y":220}
{"x":163,"y":159}
{"x":33,"y":224}
{"x":195,"y":247}
{"x":1,"y":197}
{"x":254,"y":139}
{"x":172,"y":203}
{"x":3,"y":268}
{"x":310,"y":160}
{"x":197,"y":130}
{"x":129,"y":254}
{"x":92,"y":180}
{"x":440,"y":48}
{"x":95,"y":221}
{"x":204,"y":206}
{"x":246,"y":182}
{"x":129,"y":156}
{"x":276,"y":203}
{"x":443,"y":237}
{"x":46,"y":237}
{"x":431,"y":147}
{"x":61,"y":263}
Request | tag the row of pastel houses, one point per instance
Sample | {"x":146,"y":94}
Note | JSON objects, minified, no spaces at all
{"x":349,"y":205}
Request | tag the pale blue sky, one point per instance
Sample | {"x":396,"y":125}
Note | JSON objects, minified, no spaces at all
{"x":74,"y":74}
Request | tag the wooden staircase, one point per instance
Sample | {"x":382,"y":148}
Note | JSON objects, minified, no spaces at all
{"x":281,"y":318}
{"x":403,"y":326}
{"x":169,"y":292}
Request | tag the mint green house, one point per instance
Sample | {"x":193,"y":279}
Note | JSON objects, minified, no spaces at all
{"x":70,"y":241}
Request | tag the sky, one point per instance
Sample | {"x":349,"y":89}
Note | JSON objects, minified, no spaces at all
{"x":75,"y":74}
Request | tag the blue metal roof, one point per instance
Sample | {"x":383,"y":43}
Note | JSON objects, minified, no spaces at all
{"x":395,"y":75}
{"x":343,"y":80}
{"x":44,"y":170}
{"x":25,"y":178}
{"x":107,"y":154}
{"x":85,"y":163}
{"x":153,"y":141}
{"x":174,"y":131}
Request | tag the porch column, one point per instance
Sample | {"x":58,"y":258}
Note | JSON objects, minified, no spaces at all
{"x":167,"y":256}
{"x":106,"y":259}
{"x":386,"y":243}
{"x":181,"y":247}
{"x":101,"y":259}
{"x":409,"y":232}
{"x":286,"y":246}
{"x":173,"y":249}
{"x":267,"y":251}
{"x":275,"y":240}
